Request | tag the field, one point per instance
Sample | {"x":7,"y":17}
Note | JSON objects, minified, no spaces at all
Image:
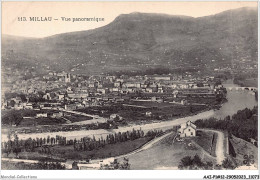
{"x":134,"y":113}
{"x":77,"y":118}
{"x":150,"y":104}
{"x":165,"y":155}
{"x":5,"y":165}
{"x":160,"y":111}
{"x":30,"y":166}
{"x":110,"y":150}
{"x":41,"y":121}
{"x":34,"y":156}
{"x":204,"y":139}
{"x":27,"y":118}
{"x":60,"y":153}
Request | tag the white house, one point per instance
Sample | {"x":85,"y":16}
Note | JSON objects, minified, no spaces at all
{"x":187,"y":129}
{"x":148,"y":113}
{"x":184,"y":102}
{"x":41,"y":115}
{"x":113,"y":116}
{"x":28,"y":106}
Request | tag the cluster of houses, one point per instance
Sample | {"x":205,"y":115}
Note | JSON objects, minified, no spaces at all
{"x":86,"y":91}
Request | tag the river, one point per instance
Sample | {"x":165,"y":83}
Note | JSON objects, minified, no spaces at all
{"x":237,"y":100}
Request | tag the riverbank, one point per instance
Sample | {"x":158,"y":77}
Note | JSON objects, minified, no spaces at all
{"x":164,"y":125}
{"x":237,"y":100}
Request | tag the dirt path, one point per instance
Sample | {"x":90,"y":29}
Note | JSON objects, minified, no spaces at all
{"x":219,"y":146}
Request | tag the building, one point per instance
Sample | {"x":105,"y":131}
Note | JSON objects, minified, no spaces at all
{"x":28,"y":106}
{"x":184,"y":102}
{"x":148,"y":113}
{"x":70,"y":107}
{"x":67,"y":78}
{"x":187,"y":129}
{"x":41,"y":115}
{"x":116,"y":117}
{"x":253,"y":141}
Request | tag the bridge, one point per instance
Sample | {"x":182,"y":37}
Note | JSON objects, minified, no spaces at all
{"x":242,"y":88}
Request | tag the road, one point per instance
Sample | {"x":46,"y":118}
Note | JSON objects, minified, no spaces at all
{"x":220,"y":155}
{"x":98,"y":133}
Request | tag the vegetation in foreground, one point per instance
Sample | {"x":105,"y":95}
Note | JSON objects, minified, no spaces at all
{"x":243,"y":124}
{"x":196,"y":163}
{"x":6,"y":165}
{"x":207,"y":140}
{"x":85,"y":148}
{"x":240,"y":148}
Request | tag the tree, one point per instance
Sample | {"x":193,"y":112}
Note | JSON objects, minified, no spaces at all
{"x":186,"y":161}
{"x":23,"y":97}
{"x":8,"y":148}
{"x":228,"y":118}
{"x":228,"y":164}
{"x":125,"y":165}
{"x":17,"y":150}
{"x":197,"y":161}
{"x":12,"y":103}
{"x":75,"y":165}
{"x":116,"y":164}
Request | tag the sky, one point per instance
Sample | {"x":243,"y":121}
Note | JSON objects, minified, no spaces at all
{"x":107,"y":10}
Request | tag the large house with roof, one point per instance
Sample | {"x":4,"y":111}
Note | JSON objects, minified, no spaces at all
{"x":187,"y":129}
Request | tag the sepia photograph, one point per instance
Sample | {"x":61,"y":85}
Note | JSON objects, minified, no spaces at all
{"x":129,"y":86}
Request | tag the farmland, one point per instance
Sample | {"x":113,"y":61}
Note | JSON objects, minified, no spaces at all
{"x":136,"y":111}
{"x":207,"y":140}
{"x":110,"y":150}
{"x":28,"y":118}
{"x":61,"y":153}
{"x":166,"y":155}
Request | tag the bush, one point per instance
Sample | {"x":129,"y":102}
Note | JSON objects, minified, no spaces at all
{"x":228,"y":164}
{"x":196,"y":163}
{"x":186,"y":161}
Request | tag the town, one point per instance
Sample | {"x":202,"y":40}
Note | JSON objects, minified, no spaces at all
{"x":76,"y":91}
{"x":65,"y":92}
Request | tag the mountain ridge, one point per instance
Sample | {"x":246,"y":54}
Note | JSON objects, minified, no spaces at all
{"x":137,"y":40}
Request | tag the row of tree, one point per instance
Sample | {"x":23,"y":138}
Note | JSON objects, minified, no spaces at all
{"x":89,"y":144}
{"x":29,"y":145}
{"x":14,"y":145}
{"x":243,"y":124}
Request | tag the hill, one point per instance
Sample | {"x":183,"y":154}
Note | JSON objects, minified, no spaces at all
{"x":140,"y":40}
